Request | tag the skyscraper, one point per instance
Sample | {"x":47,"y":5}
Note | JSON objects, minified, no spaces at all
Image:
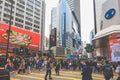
{"x":68,"y":21}
{"x":75,"y":8}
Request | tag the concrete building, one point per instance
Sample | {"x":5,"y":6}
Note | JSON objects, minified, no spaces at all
{"x":26,"y":14}
{"x":107,"y":40}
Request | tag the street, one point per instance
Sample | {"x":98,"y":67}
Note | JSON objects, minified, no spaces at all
{"x":64,"y":75}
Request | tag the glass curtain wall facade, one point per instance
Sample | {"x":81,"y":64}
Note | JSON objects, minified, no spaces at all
{"x":63,"y":22}
{"x":69,"y":26}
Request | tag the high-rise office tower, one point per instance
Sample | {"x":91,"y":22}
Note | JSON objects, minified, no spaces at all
{"x":68,"y":24}
{"x":75,"y":8}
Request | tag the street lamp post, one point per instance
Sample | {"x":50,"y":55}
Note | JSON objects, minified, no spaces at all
{"x":9,"y":29}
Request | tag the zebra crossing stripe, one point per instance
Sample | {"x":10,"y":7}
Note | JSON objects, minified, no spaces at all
{"x":63,"y":75}
{"x":14,"y":79}
{"x":33,"y":77}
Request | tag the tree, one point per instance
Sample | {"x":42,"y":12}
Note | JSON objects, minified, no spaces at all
{"x":89,"y":48}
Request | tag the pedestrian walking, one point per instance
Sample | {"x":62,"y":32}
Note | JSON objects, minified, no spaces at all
{"x":87,"y":72}
{"x":22,"y":66}
{"x":48,"y":69}
{"x":118,"y":70}
{"x":40,"y":62}
{"x":107,"y":71}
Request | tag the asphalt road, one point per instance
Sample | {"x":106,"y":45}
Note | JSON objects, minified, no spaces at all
{"x":64,"y":75}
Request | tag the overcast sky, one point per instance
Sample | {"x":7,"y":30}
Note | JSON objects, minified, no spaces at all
{"x":87,"y":19}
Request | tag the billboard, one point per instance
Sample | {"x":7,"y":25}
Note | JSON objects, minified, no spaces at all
{"x":19,"y":37}
{"x":114,"y":42}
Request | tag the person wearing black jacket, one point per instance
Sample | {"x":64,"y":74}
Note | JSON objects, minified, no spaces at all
{"x":107,"y":71}
{"x":87,"y":72}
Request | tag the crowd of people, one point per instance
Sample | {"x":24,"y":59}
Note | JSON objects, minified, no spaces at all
{"x":86,"y":67}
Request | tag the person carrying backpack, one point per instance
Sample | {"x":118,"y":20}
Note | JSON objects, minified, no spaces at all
{"x":107,"y":71}
{"x":118,"y":70}
{"x":87,"y":71}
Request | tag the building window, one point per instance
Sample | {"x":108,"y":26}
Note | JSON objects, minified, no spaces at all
{"x":37,"y":22}
{"x":19,"y":20}
{"x":9,"y":1}
{"x":19,"y":25}
{"x":29,"y":15}
{"x":1,"y":2}
{"x":37,"y":18}
{"x":20,"y":6}
{"x":19,"y":11}
{"x":36,"y":26}
{"x":37,"y":9}
{"x":8,"y":11}
{"x":7,"y":21}
{"x":20,"y":15}
{"x":28,"y":23}
{"x":32,"y":1}
{"x":29,"y":19}
{"x":21,"y":1}
{"x":37,"y":3}
{"x":7,"y":16}
{"x":29,"y":6}
{"x":28,"y":28}
{"x":36,"y":30}
{"x":36,"y":13}
{"x":29,"y":10}
{"x":8,"y":6}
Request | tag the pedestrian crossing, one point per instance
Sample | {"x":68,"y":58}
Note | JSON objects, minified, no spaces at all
{"x":64,"y":75}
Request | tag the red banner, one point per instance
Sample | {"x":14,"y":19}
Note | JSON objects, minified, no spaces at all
{"x":19,"y":37}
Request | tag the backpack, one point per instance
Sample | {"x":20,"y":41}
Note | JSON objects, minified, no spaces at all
{"x":108,"y":73}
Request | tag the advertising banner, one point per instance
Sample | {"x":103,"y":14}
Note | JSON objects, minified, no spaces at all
{"x":19,"y":37}
{"x":114,"y":42}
